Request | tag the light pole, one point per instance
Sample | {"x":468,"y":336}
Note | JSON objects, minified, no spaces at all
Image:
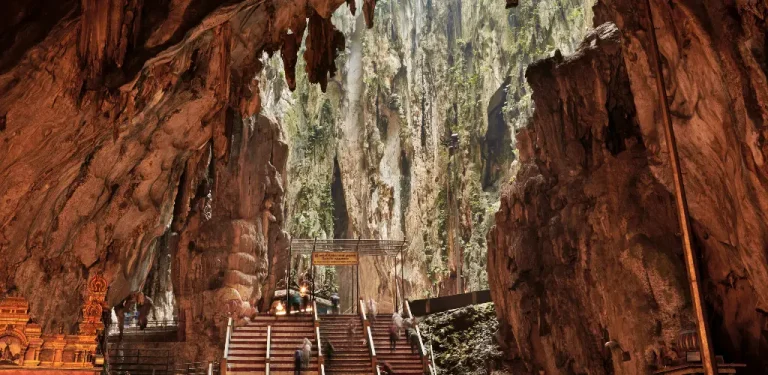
{"x":691,"y":266}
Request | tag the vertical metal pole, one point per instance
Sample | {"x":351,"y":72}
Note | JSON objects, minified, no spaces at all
{"x":397,"y":288}
{"x":311,"y":260}
{"x":357,"y":274}
{"x":288,"y":281}
{"x":691,"y":266}
{"x":402,"y":272}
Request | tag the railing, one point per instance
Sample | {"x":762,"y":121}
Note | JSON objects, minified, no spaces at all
{"x":422,"y":351}
{"x":422,"y":307}
{"x":194,"y":368}
{"x":367,"y":332}
{"x":226,"y":347}
{"x":141,"y":360}
{"x":267,"y":360}
{"x":370,"y":341}
{"x":146,"y":361}
{"x":362,"y":310}
{"x":316,"y":321}
{"x":155,"y":331}
{"x":433,"y":365}
{"x":114,"y":328}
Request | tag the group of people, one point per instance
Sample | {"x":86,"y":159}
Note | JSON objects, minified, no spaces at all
{"x":136,"y":303}
{"x":299,"y":302}
{"x":302,"y":356}
{"x":397,"y":327}
{"x":407,"y":326}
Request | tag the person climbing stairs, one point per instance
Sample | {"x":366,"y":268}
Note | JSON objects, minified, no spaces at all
{"x":351,"y":354}
{"x":402,"y":359}
{"x":248,"y":345}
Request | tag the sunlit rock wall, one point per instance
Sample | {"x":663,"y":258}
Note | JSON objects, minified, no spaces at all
{"x":367,"y":157}
{"x":585,"y":247}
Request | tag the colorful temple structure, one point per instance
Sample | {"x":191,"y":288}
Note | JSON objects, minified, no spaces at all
{"x":25,"y":349}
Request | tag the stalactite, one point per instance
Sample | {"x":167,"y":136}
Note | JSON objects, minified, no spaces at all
{"x":324,"y":43}
{"x":369,"y":6}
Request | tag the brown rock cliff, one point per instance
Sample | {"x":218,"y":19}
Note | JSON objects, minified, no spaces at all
{"x":585,"y":247}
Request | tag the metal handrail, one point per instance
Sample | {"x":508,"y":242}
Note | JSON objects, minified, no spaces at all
{"x":316,"y":321}
{"x":223,"y":363}
{"x":423,"y":351}
{"x":269,"y":341}
{"x":322,"y":369}
{"x":229,"y":334}
{"x":367,"y":329}
{"x":370,"y":341}
{"x":433,"y":365}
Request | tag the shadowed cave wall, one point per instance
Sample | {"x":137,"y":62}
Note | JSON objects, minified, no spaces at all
{"x":130,"y":133}
{"x":585,"y":246}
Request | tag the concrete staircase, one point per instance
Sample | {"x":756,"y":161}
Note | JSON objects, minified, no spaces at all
{"x":248,"y":345}
{"x":402,"y":360}
{"x":351,"y":356}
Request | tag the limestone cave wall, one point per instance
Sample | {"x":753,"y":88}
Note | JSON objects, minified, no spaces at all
{"x":585,"y":248}
{"x":428,"y":69}
{"x":130,"y":132}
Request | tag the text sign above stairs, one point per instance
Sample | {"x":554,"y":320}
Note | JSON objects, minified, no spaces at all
{"x":334,"y":259}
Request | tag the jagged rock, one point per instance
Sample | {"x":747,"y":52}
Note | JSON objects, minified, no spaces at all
{"x":369,"y":6}
{"x":324,"y":43}
{"x":376,"y":135}
{"x":585,"y":247}
{"x":130,"y":129}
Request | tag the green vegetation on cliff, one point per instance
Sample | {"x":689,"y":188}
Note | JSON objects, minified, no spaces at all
{"x":427,"y":70}
{"x":464,"y":341}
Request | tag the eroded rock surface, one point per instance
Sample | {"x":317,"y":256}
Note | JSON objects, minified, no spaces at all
{"x":585,"y":249}
{"x":129,"y":127}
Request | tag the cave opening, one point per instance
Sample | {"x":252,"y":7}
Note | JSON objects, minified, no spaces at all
{"x":159,"y":282}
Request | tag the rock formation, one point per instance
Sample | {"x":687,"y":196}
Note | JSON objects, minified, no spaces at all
{"x":585,"y":246}
{"x":128,"y":127}
{"x":368,"y":157}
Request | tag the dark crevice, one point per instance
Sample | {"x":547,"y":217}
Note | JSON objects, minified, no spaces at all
{"x":405,"y":186}
{"x":622,"y":124}
{"x":194,"y":14}
{"x":25,"y":24}
{"x":496,"y":145}
{"x":340,"y":214}
{"x":234,"y":133}
{"x":158,"y":281}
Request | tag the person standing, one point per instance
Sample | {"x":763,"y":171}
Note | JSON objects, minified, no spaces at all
{"x":295,"y":302}
{"x":144,"y":305}
{"x":336,"y":302}
{"x":386,"y":369}
{"x":297,"y":363}
{"x":305,"y":301}
{"x":393,"y":337}
{"x":373,"y":310}
{"x":329,"y":350}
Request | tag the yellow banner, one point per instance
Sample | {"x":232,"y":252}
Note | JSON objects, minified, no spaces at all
{"x":334,"y":259}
